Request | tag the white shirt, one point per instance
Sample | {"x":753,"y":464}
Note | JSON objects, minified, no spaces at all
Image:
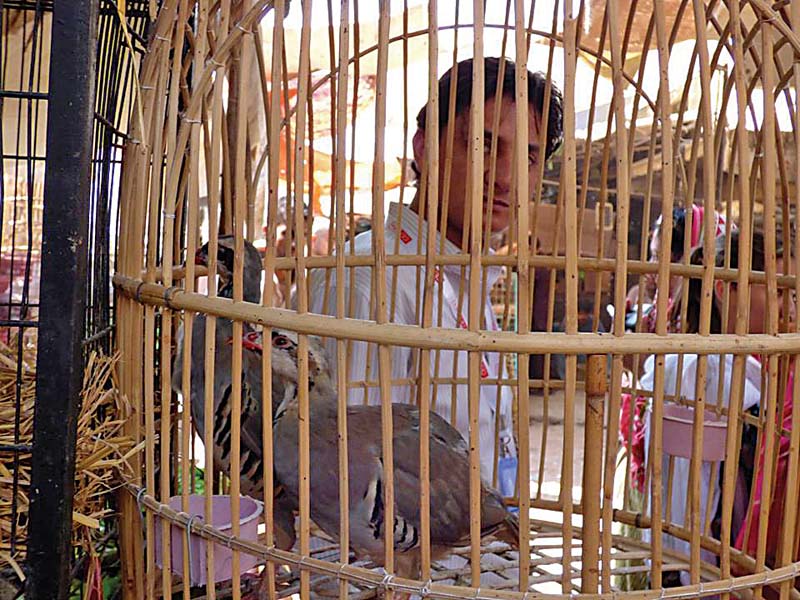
{"x":682,"y":466}
{"x":404,"y":300}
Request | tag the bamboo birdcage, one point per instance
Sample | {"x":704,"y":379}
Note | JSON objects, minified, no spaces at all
{"x":663,"y":106}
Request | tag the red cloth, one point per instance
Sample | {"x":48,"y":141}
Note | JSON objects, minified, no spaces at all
{"x":784,"y":420}
{"x":635,"y":444}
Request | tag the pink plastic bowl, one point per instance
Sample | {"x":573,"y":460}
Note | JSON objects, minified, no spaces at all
{"x":678,"y":423}
{"x":249,"y":511}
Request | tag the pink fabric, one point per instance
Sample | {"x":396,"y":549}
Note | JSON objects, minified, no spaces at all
{"x":697,"y":224}
{"x":779,"y":492}
{"x":635,"y":444}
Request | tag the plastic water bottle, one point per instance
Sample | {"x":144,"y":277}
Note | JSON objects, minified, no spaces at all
{"x":507,"y":472}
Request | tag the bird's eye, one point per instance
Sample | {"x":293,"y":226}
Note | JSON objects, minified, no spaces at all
{"x":281,"y":341}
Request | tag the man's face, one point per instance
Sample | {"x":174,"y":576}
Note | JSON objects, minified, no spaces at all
{"x":502,"y":200}
{"x":759,"y":300}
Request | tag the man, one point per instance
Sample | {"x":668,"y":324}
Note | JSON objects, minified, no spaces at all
{"x":406,"y":233}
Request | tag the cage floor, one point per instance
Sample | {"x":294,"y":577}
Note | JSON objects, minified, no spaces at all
{"x":499,"y":567}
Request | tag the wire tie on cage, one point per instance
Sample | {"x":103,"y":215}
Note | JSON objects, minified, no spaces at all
{"x":242,"y":29}
{"x":147,"y":87}
{"x":168,"y":215}
{"x":387,"y":579}
{"x":301,"y":561}
{"x":189,"y":542}
{"x":426,"y":588}
{"x":193,"y":121}
{"x":167,"y":295}
{"x":137,"y":295}
{"x":339,"y":571}
{"x":229,"y":540}
{"x":142,"y":490}
{"x":139,"y":495}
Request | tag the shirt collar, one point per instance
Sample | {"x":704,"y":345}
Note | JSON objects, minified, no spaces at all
{"x":412,"y":241}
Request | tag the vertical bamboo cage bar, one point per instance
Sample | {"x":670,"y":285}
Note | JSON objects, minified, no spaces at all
{"x":767,"y":169}
{"x":596,"y":389}
{"x":341,"y":345}
{"x":214,"y":171}
{"x":192,"y":206}
{"x":474,"y":218}
{"x":619,"y":276}
{"x":569,"y":178}
{"x":429,"y":192}
{"x":302,"y":364}
{"x":238,"y":185}
{"x":789,"y":549}
{"x":742,"y":285}
{"x":381,"y":309}
{"x":152,"y":242}
{"x":523,"y":317}
{"x":273,"y":127}
{"x":667,"y":191}
{"x":707,"y":291}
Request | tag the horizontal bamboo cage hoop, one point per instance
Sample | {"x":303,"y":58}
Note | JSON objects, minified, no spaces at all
{"x":588,"y":269}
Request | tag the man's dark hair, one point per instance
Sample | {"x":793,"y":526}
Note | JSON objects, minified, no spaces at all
{"x":757,"y":261}
{"x":491,"y":69}
{"x":678,"y":233}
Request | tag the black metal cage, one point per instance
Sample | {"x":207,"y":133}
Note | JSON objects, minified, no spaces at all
{"x":67,"y":89}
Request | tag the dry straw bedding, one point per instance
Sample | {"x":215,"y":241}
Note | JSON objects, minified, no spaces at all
{"x":101,"y":456}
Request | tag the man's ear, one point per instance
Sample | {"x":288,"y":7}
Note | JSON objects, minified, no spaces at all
{"x":418,"y":144}
{"x":719,"y":290}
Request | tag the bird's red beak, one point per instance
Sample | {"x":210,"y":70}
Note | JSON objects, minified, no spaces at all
{"x":249,"y":342}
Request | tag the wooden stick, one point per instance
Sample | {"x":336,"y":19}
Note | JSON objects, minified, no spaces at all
{"x":472,"y":227}
{"x":273,"y":150}
{"x":523,"y":316}
{"x":596,"y":388}
{"x":768,"y":186}
{"x":432,"y":192}
{"x":788,"y":551}
{"x":620,"y":275}
{"x":193,"y":193}
{"x":569,"y":178}
{"x":742,"y":317}
{"x":341,"y":345}
{"x":536,"y":261}
{"x":457,"y":339}
{"x":709,"y":226}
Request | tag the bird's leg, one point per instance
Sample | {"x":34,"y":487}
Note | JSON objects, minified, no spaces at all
{"x":407,"y":566}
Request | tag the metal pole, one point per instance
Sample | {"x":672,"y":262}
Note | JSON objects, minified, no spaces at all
{"x":59,"y":364}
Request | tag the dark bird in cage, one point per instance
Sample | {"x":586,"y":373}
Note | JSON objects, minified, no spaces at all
{"x":251,"y":433}
{"x":449,"y":467}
